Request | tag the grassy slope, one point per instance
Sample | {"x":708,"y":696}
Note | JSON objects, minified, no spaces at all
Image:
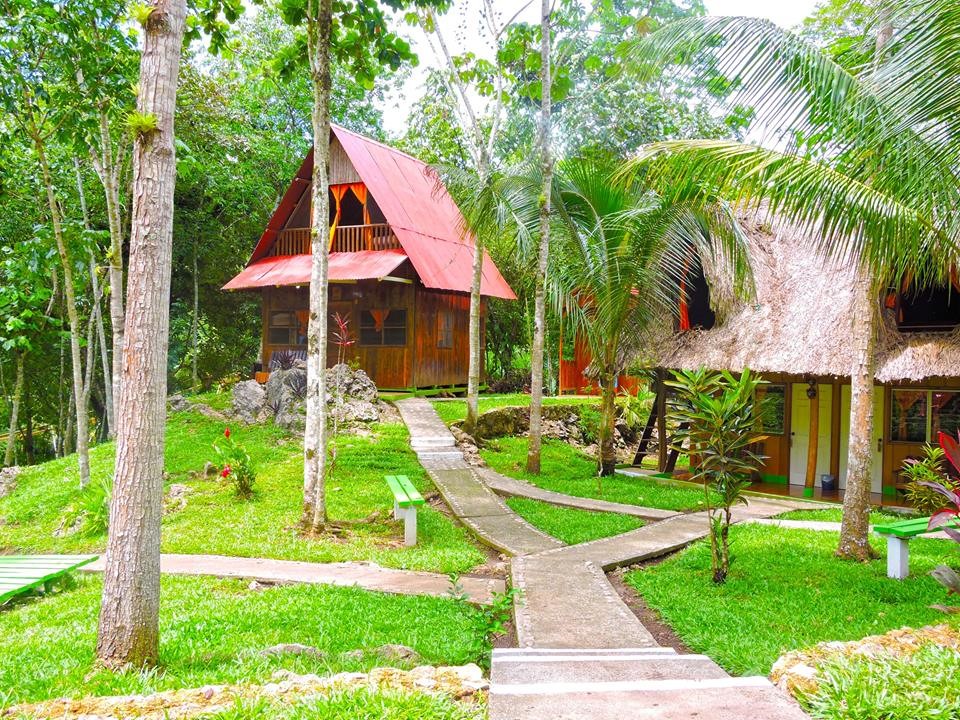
{"x":835,"y":514}
{"x":212,"y":632}
{"x":214,"y":521}
{"x":453,"y":410}
{"x":566,"y":469}
{"x":570,"y":525}
{"x":786,"y":591}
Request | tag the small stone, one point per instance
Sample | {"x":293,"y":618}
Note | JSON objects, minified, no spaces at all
{"x":207,"y":692}
{"x":427,"y":683}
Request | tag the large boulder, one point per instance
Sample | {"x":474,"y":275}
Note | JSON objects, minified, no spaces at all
{"x":8,"y":479}
{"x":351,"y":396}
{"x":249,"y":401}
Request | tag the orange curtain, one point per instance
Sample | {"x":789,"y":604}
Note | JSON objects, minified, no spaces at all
{"x":360,"y":190}
{"x":684,"y":310}
{"x":338,"y":191}
{"x":303,"y":322}
{"x":379,"y":318}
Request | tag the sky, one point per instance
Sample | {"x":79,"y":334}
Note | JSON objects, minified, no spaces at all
{"x":458,"y":28}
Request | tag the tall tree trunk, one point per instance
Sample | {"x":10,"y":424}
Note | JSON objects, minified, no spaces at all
{"x":108,"y":169}
{"x":9,"y":456}
{"x":129,"y":612}
{"x":854,"y":530}
{"x":70,"y":300}
{"x":543,"y":251}
{"x":608,"y":421}
{"x":195,"y":322}
{"x":476,"y":349}
{"x":28,"y":440}
{"x":97,"y":314}
{"x":319,"y":27}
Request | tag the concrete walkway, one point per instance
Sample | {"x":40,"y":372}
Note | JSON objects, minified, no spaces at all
{"x":583,"y":652}
{"x":368,"y":576}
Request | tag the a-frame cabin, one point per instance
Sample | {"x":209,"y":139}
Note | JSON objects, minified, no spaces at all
{"x":400,"y":268}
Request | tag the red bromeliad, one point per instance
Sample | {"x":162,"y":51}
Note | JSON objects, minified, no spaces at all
{"x":947,"y":515}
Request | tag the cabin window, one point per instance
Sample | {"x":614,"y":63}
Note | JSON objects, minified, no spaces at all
{"x":773,"y":399}
{"x":694,"y":300}
{"x":929,"y":309}
{"x":383,"y":327}
{"x":917,"y":416}
{"x":284,"y":328}
{"x":445,"y":329}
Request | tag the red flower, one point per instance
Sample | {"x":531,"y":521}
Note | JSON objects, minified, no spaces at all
{"x":226,"y":471}
{"x":226,"y":433}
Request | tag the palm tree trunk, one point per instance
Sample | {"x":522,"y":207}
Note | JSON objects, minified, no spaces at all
{"x":854,"y":529}
{"x":319,"y":26}
{"x":128,"y":632}
{"x":543,"y":254}
{"x":473,"y":368}
{"x":608,"y":420}
{"x":9,"y":455}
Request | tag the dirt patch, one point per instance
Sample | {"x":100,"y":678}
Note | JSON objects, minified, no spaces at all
{"x":662,"y":633}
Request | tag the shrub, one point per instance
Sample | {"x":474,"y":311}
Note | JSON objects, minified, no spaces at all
{"x":234,"y":465}
{"x":719,"y":412}
{"x":90,"y":513}
{"x":928,"y":469}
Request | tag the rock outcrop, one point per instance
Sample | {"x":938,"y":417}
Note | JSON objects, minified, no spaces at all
{"x":8,"y":479}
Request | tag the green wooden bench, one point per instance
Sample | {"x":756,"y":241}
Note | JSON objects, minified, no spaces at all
{"x":899,"y":534}
{"x":20,"y":574}
{"x":406,"y":500}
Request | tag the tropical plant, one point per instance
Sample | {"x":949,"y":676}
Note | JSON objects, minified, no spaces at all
{"x":945,"y":517}
{"x":927,"y":469}
{"x":622,"y":252}
{"x":234,"y":464}
{"x":866,"y":164}
{"x":721,"y":417}
{"x":89,"y":514}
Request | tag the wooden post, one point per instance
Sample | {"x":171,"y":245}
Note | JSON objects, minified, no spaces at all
{"x":812,"y":439}
{"x":835,"y":405}
{"x":661,"y":421}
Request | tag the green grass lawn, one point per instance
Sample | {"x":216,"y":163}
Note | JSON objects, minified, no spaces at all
{"x":452,"y":410}
{"x":211,"y":631}
{"x":835,"y":514}
{"x":215,"y":521}
{"x":786,"y":591}
{"x":568,"y":470}
{"x":360,"y":705}
{"x":571,"y":525}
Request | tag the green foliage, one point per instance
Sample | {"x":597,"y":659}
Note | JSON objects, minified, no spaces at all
{"x":922,"y":686}
{"x":140,"y":12}
{"x":89,"y":514}
{"x":571,"y":525}
{"x":721,"y":420}
{"x":635,"y":408}
{"x":358,"y":705}
{"x":787,"y":591}
{"x":233,"y":464}
{"x":927,"y":469}
{"x":140,"y":124}
{"x":492,"y":621}
{"x":213,"y":631}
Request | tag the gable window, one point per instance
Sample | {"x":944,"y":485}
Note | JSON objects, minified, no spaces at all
{"x":445,"y":329}
{"x":286,"y":327}
{"x":926,"y":309}
{"x":383,"y":327}
{"x":694,"y":301}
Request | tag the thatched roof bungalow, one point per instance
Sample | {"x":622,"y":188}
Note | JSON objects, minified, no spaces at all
{"x":794,"y":330}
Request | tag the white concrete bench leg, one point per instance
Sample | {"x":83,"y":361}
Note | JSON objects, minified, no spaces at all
{"x":396,"y":510}
{"x":898,"y":557}
{"x":410,"y":526}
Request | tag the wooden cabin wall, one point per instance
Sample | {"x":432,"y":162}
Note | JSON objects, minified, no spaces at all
{"x":437,"y":364}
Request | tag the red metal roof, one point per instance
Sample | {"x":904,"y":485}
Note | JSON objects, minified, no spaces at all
{"x":295,"y":269}
{"x":418,"y":208}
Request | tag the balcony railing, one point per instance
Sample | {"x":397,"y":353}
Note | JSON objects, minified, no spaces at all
{"x":346,"y":238}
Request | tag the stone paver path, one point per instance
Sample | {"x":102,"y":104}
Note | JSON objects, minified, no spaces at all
{"x":517,"y":488}
{"x":368,"y":576}
{"x":583,"y":652}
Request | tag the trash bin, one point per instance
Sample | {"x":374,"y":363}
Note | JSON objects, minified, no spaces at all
{"x":828,"y":484}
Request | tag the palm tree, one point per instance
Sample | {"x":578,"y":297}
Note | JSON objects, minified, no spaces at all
{"x":867,"y":164}
{"x":621,"y":253}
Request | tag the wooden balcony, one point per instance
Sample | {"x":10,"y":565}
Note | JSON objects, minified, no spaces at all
{"x":346,"y":238}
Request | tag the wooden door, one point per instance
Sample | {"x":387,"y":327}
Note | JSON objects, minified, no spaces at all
{"x":775,"y":446}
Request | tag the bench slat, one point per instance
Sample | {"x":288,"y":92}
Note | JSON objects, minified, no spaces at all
{"x":908,"y":528}
{"x":413,"y":495}
{"x":22,"y":573}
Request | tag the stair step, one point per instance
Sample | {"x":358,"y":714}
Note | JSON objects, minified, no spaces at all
{"x":564,"y":652}
{"x":573,"y":671}
{"x":716,"y":699}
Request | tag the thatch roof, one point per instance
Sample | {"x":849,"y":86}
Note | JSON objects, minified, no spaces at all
{"x":799,"y":321}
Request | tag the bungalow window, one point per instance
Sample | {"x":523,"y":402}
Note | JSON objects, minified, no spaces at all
{"x":694,"y":301}
{"x":383,"y":327}
{"x":445,"y":329}
{"x":773,"y":399}
{"x":285,"y":328}
{"x":929,"y":309}
{"x":917,"y":416}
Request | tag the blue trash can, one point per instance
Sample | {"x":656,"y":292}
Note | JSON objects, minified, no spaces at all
{"x":828,"y":484}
